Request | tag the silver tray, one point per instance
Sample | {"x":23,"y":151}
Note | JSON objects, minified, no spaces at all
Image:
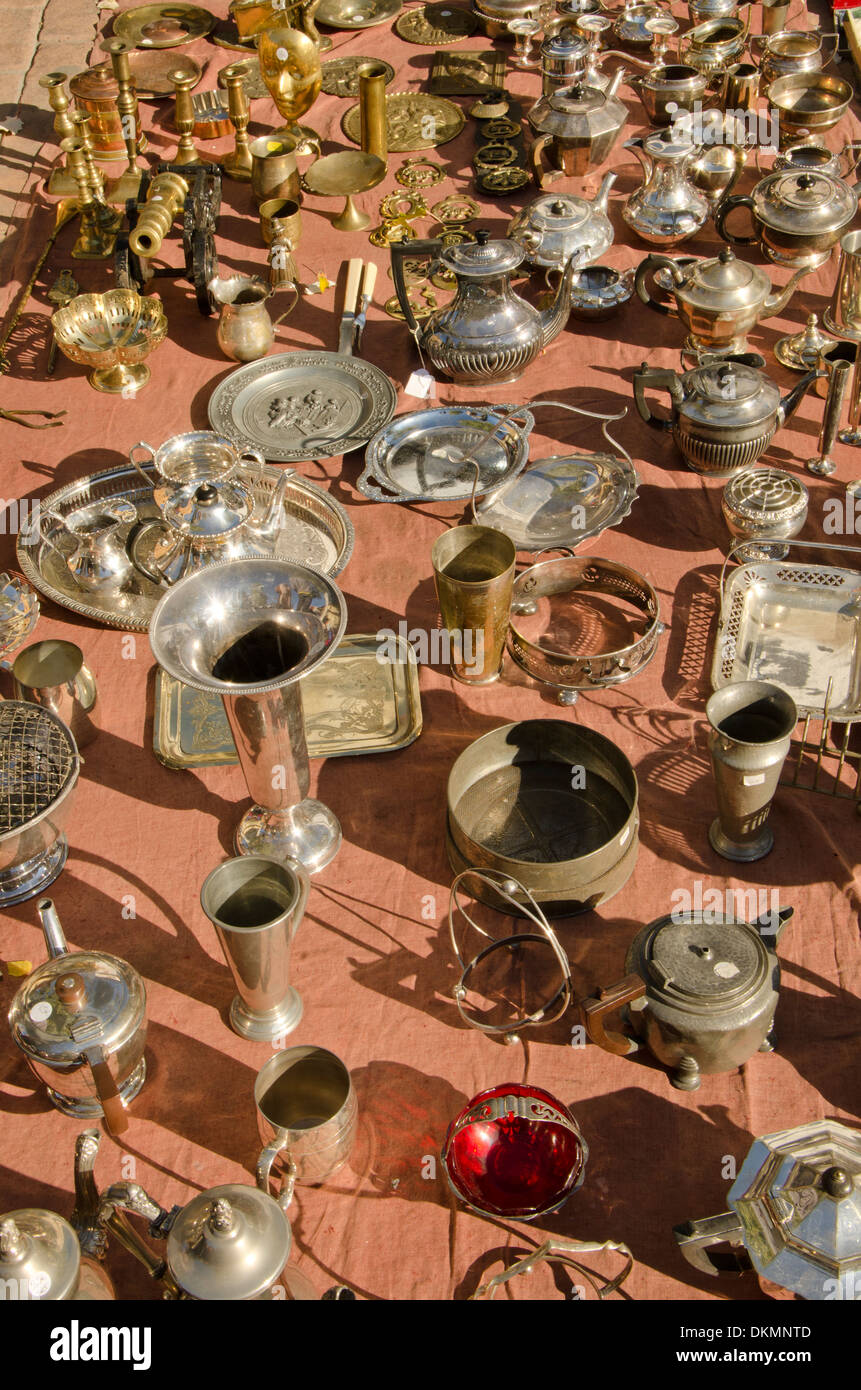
{"x":796,"y":624}
{"x":317,"y":532}
{"x":562,"y":501}
{"x":303,"y":405}
{"x":426,"y":455}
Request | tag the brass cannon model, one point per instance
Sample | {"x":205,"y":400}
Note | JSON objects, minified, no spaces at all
{"x":174,"y":189}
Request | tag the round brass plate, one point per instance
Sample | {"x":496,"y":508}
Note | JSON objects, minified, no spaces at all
{"x":414,"y":121}
{"x":342,"y":173}
{"x":356,"y":14}
{"x":150,"y":72}
{"x":436,"y":24}
{"x":341,"y":75}
{"x":163,"y":26}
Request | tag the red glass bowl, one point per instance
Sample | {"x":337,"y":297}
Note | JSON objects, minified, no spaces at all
{"x":514,"y":1151}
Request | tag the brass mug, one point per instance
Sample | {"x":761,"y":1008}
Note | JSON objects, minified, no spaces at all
{"x":280,"y":219}
{"x":52,"y":674}
{"x":274,"y":172}
{"x":741,"y":90}
{"x":843,"y":315}
{"x":306,"y":1117}
{"x":474,"y":575}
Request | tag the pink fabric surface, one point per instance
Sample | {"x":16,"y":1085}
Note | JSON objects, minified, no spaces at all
{"x":372,"y":959}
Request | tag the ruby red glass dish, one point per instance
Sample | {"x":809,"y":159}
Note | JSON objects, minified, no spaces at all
{"x":514,"y":1151}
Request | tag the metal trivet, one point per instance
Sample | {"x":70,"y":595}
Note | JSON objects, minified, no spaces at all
{"x":828,"y":758}
{"x":37,"y":757}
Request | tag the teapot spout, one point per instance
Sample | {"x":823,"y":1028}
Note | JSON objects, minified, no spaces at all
{"x":554,"y":319}
{"x":602,"y":197}
{"x":790,"y":403}
{"x":778,"y":299}
{"x":55,"y":939}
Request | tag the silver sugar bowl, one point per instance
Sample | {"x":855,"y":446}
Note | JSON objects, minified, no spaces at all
{"x":764,"y":505}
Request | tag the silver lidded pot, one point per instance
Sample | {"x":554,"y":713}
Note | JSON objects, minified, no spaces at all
{"x":556,"y":229}
{"x":80,"y":1020}
{"x":797,"y":217}
{"x":701,"y":990}
{"x":764,"y":506}
{"x":40,"y":1259}
{"x":577,"y":126}
{"x":667,"y":207}
{"x":564,"y":57}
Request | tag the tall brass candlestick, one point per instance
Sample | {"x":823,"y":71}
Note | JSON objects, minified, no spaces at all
{"x":238,"y":164}
{"x":94,"y":175}
{"x":128,"y":184}
{"x":99,"y":226}
{"x":62,"y":183}
{"x":186,"y":151}
{"x":372,"y":110}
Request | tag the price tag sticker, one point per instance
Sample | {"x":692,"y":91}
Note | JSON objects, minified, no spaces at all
{"x":421,"y":384}
{"x":40,"y":1013}
{"x":754,"y":780}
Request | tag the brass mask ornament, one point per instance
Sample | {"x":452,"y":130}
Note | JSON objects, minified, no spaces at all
{"x":290,"y":66}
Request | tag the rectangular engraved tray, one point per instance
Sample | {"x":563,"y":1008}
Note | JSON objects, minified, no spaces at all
{"x":798,"y":625}
{"x":353,"y":704}
{"x":466,"y":73}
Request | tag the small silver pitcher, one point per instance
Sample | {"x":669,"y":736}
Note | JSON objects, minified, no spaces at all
{"x":751,"y":723}
{"x":256,"y":906}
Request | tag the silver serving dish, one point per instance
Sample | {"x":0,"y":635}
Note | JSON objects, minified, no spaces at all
{"x":297,"y":406}
{"x":798,"y":625}
{"x":598,"y":292}
{"x":562,"y":501}
{"x":316,"y":530}
{"x":432,"y":455}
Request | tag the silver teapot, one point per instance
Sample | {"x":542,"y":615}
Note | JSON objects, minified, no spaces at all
{"x":667,"y":207}
{"x":701,"y":990}
{"x":797,"y":217}
{"x":40,"y":1258}
{"x":557,"y":228}
{"x":487,"y":335}
{"x":724,"y":413}
{"x":577,"y":128}
{"x":80,"y":1020}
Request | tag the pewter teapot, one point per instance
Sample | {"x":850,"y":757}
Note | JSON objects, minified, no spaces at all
{"x":577,"y":127}
{"x":718,"y":300}
{"x":557,"y":228}
{"x":487,"y":335}
{"x":724,"y":413}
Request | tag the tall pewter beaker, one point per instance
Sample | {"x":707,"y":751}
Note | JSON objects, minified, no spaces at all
{"x":256,"y":906}
{"x":751,"y":723}
{"x":843,"y":315}
{"x":250,"y":631}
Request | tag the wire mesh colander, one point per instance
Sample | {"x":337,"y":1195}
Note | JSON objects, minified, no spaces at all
{"x":38,"y":763}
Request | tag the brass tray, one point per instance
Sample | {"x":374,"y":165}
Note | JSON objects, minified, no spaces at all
{"x":341,"y":75}
{"x":130,"y":24}
{"x":297,"y":406}
{"x":356,"y":14}
{"x":357,"y":705}
{"x":150,"y":68}
{"x":318,"y":532}
{"x":796,"y":624}
{"x":466,"y":73}
{"x":408,"y":116}
{"x":432,"y":24}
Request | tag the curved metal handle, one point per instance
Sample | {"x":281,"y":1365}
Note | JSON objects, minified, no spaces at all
{"x":267,"y":1157}
{"x":253,"y":456}
{"x":137,"y":531}
{"x":661,"y":379}
{"x":606,"y":1001}
{"x":55,"y":517}
{"x":695,"y":1238}
{"x":649,"y":266}
{"x":536,"y":150}
{"x":275,"y":322}
{"x":801,"y":545}
{"x":399,"y":250}
{"x":142,"y":444}
{"x":725,"y":207}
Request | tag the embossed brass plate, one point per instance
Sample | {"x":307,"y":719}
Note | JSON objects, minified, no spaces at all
{"x":255,"y":87}
{"x":466,"y":73}
{"x":357,"y":705}
{"x":356,"y":14}
{"x":414,"y":121}
{"x":163,"y":26}
{"x":341,"y":75}
{"x":438,"y":23}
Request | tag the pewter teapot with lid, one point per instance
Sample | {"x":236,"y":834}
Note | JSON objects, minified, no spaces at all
{"x":724,"y":413}
{"x":719,"y":300}
{"x":667,"y":208}
{"x":557,"y":228}
{"x":797,"y":217}
{"x":577,"y":127}
{"x":487,"y":335}
{"x":80,"y":1020}
{"x":795,"y":1214}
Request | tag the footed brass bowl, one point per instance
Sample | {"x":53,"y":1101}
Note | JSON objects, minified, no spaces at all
{"x":112,"y":333}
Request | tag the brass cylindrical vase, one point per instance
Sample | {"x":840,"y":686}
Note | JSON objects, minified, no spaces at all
{"x":474,"y":575}
{"x":751,"y":724}
{"x":372,"y":109}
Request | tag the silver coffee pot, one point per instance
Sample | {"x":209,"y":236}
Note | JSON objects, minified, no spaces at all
{"x":577,"y":128}
{"x":667,"y":207}
{"x":40,"y":1258}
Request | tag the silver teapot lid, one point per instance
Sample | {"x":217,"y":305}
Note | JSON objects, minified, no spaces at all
{"x":564,"y":44}
{"x":803,"y":203}
{"x":729,"y":394}
{"x":706,"y":958}
{"x":483,"y":257}
{"x":82,"y":999}
{"x":230,"y":1242}
{"x":559,"y":212}
{"x":40,"y":1251}
{"x":208,"y":510}
{"x":798,"y":1196}
{"x":725,"y":276}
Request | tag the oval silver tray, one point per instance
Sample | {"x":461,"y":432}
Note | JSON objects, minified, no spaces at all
{"x":426,"y":455}
{"x":562,"y":501}
{"x":297,"y":406}
{"x":317,"y":532}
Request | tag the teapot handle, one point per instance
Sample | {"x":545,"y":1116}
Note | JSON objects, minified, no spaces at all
{"x":116,"y":1119}
{"x":267,"y":1157}
{"x":662,"y":379}
{"x":649,"y":266}
{"x":725,"y":207}
{"x":140,"y":527}
{"x":138,"y":464}
{"x":595,"y":1008}
{"x":536,"y":152}
{"x":695,"y":1237}
{"x":399,"y":250}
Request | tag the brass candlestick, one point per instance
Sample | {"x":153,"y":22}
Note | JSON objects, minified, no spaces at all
{"x":372,"y":110}
{"x":186,"y":151}
{"x":99,"y":226}
{"x":62,"y":182}
{"x":95,"y":178}
{"x":128,"y":184}
{"x":238,"y":164}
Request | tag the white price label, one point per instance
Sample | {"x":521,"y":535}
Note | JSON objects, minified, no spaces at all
{"x":421,"y":384}
{"x":40,"y":1012}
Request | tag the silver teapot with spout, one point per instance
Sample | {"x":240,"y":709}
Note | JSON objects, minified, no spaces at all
{"x":667,"y":207}
{"x":487,"y":335}
{"x":577,"y":128}
{"x":559,"y":227}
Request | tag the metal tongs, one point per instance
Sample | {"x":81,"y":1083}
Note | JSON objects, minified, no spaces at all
{"x":361,"y":278}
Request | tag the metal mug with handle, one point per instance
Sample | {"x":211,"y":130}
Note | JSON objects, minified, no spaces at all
{"x":306,"y":1118}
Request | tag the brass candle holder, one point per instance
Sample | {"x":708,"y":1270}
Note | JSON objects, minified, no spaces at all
{"x":62,"y":183}
{"x":99,"y":225}
{"x":128,"y":184}
{"x":238,"y":164}
{"x":186,"y":151}
{"x":95,"y":178}
{"x":372,"y":110}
